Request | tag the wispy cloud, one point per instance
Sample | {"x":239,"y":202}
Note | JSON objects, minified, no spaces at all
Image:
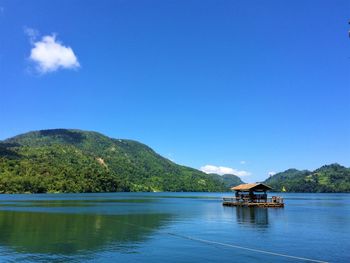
{"x":271,"y":173}
{"x":242,"y":162}
{"x":31,"y":33}
{"x":223,"y":170}
{"x":49,"y":54}
{"x":170,"y":157}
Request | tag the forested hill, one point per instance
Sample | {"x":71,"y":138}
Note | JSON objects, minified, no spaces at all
{"x":328,"y":178}
{"x":64,"y":160}
{"x":229,"y":180}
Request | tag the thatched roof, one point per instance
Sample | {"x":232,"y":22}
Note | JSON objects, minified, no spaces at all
{"x":253,"y":187}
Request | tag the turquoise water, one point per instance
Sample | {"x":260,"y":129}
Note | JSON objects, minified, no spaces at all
{"x":172,"y":227}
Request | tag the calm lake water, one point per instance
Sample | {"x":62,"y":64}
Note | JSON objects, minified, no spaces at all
{"x":172,"y":227}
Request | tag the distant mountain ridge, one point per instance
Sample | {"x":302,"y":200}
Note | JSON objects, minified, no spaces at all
{"x":229,"y":180}
{"x":328,"y":178}
{"x":66,"y":160}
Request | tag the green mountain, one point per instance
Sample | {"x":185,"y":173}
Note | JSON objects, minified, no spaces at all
{"x":229,"y":180}
{"x":328,"y":178}
{"x":62,"y":160}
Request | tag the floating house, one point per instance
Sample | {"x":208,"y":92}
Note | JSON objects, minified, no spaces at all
{"x":253,"y":195}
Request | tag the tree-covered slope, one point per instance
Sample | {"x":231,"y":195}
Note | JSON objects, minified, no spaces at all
{"x":328,"y":178}
{"x":64,"y":160}
{"x":229,"y":180}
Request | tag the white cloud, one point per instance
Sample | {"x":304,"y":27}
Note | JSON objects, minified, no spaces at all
{"x":271,"y":173}
{"x":50,"y":54}
{"x":223,"y":170}
{"x":242,"y":162}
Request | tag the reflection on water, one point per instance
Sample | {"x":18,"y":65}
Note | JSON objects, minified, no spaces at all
{"x":70,"y":203}
{"x":57,"y":233}
{"x":253,"y":216}
{"x":148,"y":227}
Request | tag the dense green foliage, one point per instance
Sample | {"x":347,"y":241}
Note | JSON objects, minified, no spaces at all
{"x":79,"y":161}
{"x":328,"y":178}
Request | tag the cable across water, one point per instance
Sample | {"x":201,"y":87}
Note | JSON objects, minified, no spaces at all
{"x":210,"y":242}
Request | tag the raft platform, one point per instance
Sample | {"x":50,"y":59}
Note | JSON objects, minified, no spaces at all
{"x":253,"y":195}
{"x":269,"y":202}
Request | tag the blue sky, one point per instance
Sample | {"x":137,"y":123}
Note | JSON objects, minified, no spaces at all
{"x":253,"y":86}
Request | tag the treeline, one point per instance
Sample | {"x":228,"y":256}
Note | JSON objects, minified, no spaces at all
{"x":327,"y":179}
{"x":55,"y":169}
{"x":78,"y":161}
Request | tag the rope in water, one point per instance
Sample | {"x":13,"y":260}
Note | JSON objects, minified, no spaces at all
{"x":245,"y":248}
{"x":229,"y":245}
